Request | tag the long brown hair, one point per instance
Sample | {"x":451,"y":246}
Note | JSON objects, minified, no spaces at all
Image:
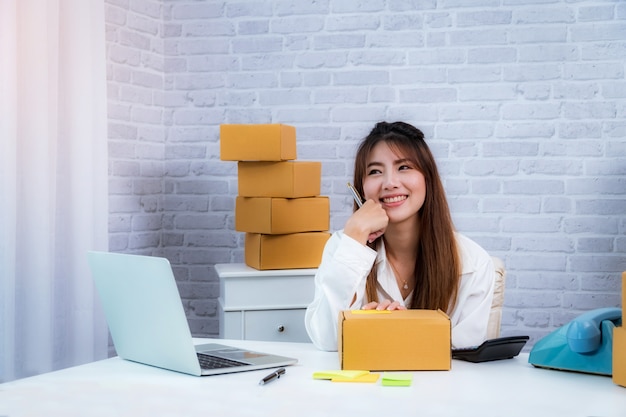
{"x":438,"y":263}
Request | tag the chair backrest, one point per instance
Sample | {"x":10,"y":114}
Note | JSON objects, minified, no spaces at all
{"x":495,"y":317}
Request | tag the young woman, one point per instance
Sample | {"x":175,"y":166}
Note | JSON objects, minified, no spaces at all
{"x":400,"y":250}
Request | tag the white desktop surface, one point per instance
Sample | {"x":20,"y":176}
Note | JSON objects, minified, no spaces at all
{"x":115,"y":387}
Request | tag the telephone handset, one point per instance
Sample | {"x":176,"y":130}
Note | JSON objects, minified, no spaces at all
{"x":584,"y":332}
{"x":584,"y":345}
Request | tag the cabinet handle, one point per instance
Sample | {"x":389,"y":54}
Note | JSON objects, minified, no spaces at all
{"x":281,"y":328}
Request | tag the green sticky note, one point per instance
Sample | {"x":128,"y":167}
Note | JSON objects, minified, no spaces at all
{"x":397,"y":379}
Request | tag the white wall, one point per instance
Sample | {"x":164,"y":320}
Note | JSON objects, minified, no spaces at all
{"x":523,"y":103}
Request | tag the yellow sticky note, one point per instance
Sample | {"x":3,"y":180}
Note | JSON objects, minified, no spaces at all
{"x":346,"y":376}
{"x":371,"y":311}
{"x":369,"y":377}
{"x":397,"y":379}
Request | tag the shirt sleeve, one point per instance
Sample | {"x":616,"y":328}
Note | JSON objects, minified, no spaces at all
{"x":470,"y":315}
{"x":340,"y":277}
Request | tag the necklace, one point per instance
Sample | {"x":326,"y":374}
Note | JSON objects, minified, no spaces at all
{"x":395,"y":271}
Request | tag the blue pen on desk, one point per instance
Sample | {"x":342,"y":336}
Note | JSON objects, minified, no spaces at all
{"x":274,"y":375}
{"x":355,"y":195}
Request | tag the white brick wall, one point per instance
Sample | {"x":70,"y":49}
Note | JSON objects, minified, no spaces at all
{"x":522,"y":101}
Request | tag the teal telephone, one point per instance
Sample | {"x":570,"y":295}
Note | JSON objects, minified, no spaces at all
{"x":583,"y":345}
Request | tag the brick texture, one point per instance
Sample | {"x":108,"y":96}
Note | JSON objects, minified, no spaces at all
{"x":523,"y":103}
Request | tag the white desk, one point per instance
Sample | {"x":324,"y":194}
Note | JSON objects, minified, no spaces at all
{"x":115,"y":387}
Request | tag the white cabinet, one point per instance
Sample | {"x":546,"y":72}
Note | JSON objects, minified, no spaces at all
{"x":264,"y":305}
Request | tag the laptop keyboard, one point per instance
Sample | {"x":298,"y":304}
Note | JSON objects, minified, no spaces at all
{"x":215,"y":362}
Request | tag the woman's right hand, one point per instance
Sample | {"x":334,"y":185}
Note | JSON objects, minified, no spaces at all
{"x":368,"y":223}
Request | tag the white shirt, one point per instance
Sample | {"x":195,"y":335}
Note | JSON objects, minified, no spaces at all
{"x":343,"y":271}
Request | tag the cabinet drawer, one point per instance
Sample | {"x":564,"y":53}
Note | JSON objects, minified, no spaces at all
{"x":245,"y":288}
{"x":275,"y":325}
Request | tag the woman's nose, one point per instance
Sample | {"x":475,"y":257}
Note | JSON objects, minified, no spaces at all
{"x":390,"y":180}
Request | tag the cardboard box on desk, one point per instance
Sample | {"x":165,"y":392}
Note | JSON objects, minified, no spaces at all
{"x":619,"y":344}
{"x":619,"y":355}
{"x":275,"y":216}
{"x":265,"y":142}
{"x":287,"y":179}
{"x":399,"y":340}
{"x":292,"y":251}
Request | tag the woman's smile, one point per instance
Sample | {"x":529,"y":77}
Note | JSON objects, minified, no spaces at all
{"x":394,"y":199}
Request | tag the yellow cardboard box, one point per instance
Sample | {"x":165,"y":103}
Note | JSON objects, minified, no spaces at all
{"x":399,"y":340}
{"x":619,"y":344}
{"x":275,"y":216}
{"x":287,"y":179}
{"x":265,"y":142}
{"x":619,"y":355}
{"x":623,"y":293}
{"x":292,"y":251}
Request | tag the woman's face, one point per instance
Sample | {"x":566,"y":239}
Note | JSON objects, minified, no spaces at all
{"x":395,"y":182}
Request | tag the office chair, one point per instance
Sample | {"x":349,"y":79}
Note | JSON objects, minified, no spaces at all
{"x":495,"y":317}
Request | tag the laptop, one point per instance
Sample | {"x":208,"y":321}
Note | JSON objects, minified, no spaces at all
{"x":147,"y":321}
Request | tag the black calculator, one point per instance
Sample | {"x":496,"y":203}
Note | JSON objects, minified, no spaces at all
{"x":492,"y":349}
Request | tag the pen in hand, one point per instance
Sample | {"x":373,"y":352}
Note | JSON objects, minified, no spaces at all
{"x":355,"y":195}
{"x":359,"y":202}
{"x":274,"y":375}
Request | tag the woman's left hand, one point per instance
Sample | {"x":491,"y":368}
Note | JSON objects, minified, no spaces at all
{"x":384,"y":305}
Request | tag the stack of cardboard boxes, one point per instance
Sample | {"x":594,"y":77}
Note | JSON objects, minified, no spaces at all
{"x":279,"y":204}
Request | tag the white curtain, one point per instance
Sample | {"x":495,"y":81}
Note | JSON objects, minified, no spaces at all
{"x":53,"y":183}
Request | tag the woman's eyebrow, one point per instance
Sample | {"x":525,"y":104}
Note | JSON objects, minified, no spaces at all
{"x":396,"y":162}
